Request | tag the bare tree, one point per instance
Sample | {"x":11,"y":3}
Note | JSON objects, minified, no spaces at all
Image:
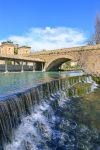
{"x":95,"y":39}
{"x":97,"y":29}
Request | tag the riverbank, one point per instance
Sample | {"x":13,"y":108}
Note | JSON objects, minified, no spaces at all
{"x":96,"y":79}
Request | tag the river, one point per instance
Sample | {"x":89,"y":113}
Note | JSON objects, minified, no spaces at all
{"x":49,"y":111}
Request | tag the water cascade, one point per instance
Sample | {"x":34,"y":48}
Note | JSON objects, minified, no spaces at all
{"x":17,"y":108}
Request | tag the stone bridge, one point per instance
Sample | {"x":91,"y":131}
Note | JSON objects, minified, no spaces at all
{"x":88,"y":57}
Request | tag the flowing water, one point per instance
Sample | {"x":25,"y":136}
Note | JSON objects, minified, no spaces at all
{"x":60,"y":111}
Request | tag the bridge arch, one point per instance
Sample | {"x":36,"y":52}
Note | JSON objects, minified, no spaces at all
{"x":56,"y":62}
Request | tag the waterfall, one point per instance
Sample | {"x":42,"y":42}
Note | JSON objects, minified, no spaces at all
{"x":18,"y":106}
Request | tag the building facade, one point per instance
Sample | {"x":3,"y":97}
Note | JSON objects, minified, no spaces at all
{"x":24,"y":50}
{"x":7,"y":48}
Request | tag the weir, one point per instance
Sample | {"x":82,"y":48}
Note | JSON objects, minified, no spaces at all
{"x":13,"y":108}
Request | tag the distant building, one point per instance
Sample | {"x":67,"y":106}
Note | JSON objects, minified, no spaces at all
{"x":7,"y":48}
{"x":24,"y":50}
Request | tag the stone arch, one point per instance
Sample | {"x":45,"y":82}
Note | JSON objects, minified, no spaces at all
{"x":56,"y":62}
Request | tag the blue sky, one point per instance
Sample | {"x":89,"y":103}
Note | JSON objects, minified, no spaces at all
{"x":47,"y":23}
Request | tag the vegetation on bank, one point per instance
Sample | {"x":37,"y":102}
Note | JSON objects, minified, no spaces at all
{"x":96,"y":79}
{"x":68,"y":66}
{"x":79,"y":89}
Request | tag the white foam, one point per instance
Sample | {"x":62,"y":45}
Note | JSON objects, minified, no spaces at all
{"x":28,"y":133}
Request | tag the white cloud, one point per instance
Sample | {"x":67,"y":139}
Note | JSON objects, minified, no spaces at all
{"x":50,"y":38}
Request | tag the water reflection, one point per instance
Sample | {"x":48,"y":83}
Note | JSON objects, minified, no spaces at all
{"x":13,"y":82}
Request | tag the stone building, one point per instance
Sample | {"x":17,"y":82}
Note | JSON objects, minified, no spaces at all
{"x":7,"y":48}
{"x":24,"y":50}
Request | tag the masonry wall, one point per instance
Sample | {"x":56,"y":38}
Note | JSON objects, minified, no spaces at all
{"x":24,"y":51}
{"x":7,"y":49}
{"x":92,"y":66}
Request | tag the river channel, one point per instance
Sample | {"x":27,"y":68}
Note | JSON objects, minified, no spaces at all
{"x":49,"y":111}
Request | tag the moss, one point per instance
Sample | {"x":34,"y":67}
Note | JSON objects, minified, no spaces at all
{"x":96,"y":79}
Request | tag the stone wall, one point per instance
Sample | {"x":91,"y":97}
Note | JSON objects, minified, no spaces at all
{"x":24,"y":50}
{"x":7,"y":49}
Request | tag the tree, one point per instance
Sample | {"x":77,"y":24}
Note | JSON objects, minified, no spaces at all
{"x":91,"y":41}
{"x":9,"y":42}
{"x":15,"y":50}
{"x":95,"y":39}
{"x":97,"y":29}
